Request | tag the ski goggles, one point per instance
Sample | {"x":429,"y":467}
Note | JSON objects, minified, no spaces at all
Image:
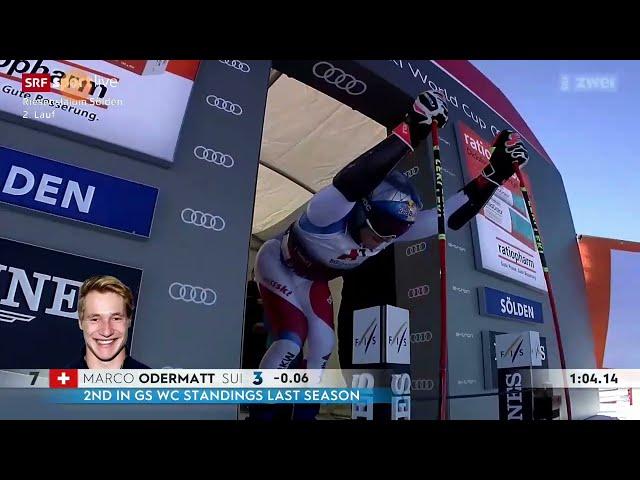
{"x":386,"y":227}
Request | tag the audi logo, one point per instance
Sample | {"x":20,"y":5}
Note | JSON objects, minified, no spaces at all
{"x":423,"y":384}
{"x":225,"y":105}
{"x":237,"y":64}
{"x":211,"y":156}
{"x":412,"y":171}
{"x":416,"y":248}
{"x":337,"y":77}
{"x":191,"y":294}
{"x":418,"y":291}
{"x":421,"y":337}
{"x":201,"y":219}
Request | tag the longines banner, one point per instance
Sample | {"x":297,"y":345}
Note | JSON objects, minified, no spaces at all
{"x":39,"y":301}
{"x":108,"y":100}
{"x":506,"y":243}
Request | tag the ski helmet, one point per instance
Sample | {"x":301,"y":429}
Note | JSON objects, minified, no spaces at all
{"x":392,"y":207}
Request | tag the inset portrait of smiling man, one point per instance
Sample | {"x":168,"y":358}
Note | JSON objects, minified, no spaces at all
{"x":105,"y":307}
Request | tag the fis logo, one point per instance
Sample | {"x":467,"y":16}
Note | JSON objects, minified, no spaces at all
{"x":368,"y":336}
{"x":515,"y":350}
{"x":399,"y":340}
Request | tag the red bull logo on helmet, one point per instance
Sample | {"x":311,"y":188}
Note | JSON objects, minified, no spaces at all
{"x":408,"y":210}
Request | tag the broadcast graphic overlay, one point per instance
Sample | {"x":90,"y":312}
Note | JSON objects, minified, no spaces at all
{"x":106,"y":100}
{"x":182,"y":386}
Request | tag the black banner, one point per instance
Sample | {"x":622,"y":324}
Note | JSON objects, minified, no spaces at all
{"x":39,"y":291}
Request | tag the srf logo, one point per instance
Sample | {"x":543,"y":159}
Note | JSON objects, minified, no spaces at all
{"x":36,"y":82}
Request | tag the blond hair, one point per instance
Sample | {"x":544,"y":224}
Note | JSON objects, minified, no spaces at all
{"x":103,"y":284}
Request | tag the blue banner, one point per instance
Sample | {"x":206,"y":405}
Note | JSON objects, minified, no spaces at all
{"x":221,"y":395}
{"x":76,"y":193}
{"x":495,"y":303}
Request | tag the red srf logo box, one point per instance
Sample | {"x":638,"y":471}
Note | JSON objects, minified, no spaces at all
{"x":36,"y":82}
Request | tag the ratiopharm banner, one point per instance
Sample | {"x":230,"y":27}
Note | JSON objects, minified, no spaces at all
{"x":505,"y":236}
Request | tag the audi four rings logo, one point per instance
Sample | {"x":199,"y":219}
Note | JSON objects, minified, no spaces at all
{"x":421,"y":337}
{"x":416,"y":248}
{"x":225,"y":105}
{"x":201,"y":219}
{"x":238,"y":65}
{"x":337,"y":77}
{"x":422,"y":384}
{"x":211,"y":156}
{"x":191,"y":294}
{"x":418,"y":291}
{"x":412,"y":171}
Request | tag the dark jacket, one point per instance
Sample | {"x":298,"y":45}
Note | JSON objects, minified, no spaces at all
{"x":129,"y":362}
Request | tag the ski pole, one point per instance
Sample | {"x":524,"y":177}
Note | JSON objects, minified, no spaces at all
{"x":545,"y":269}
{"x":437,"y":166}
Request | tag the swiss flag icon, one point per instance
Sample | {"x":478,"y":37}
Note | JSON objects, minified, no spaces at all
{"x":63,"y":378}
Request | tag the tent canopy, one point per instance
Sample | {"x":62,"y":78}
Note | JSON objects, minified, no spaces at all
{"x":307,"y":138}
